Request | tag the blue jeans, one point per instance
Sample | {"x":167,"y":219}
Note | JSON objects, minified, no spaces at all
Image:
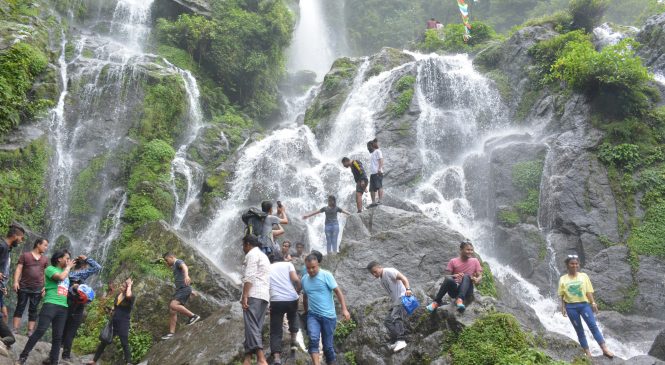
{"x":332,"y":231}
{"x":323,"y":328}
{"x":577,"y":310}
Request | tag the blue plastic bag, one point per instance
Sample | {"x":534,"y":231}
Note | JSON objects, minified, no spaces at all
{"x":410,"y":303}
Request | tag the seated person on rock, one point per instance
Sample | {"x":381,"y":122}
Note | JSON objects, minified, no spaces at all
{"x":462,"y":273}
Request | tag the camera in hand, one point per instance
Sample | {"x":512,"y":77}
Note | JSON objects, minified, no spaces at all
{"x":279,"y":204}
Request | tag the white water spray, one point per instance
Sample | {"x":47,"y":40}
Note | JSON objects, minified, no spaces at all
{"x":311,"y":48}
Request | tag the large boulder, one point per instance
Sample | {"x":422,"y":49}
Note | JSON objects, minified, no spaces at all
{"x":411,"y":242}
{"x":650,"y":278}
{"x":611,"y":275}
{"x":658,"y":348}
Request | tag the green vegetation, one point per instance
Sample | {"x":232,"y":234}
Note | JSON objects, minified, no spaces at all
{"x":164,"y":110}
{"x":86,"y":184}
{"x":350,"y":358}
{"x":240,"y":48}
{"x":22,"y":194}
{"x":404,"y":89}
{"x":487,"y":287}
{"x":496,"y":339}
{"x":343,"y":330}
{"x":587,"y":14}
{"x":451,"y":38}
{"x":526,"y":178}
{"x":20,"y":66}
{"x":508,"y":218}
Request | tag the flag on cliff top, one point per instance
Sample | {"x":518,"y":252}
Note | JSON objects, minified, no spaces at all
{"x":464,"y":10}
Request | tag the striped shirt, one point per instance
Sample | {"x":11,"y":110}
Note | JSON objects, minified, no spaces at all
{"x":256,"y":270}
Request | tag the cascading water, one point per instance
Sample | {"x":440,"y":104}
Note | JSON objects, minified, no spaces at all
{"x":189,"y":170}
{"x":607,"y":36}
{"x":102,"y":88}
{"x":311,"y":48}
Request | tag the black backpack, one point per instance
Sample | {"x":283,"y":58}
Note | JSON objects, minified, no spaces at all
{"x":253,"y":220}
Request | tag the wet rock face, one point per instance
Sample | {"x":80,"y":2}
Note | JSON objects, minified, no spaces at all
{"x":652,"y":37}
{"x":658,"y":348}
{"x":650,"y":279}
{"x":610,"y":273}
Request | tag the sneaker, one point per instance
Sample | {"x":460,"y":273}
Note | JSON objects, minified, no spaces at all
{"x":22,"y":361}
{"x":460,"y":305}
{"x":372,"y":205}
{"x":193,"y":319}
{"x":432,"y":307}
{"x":167,"y":336}
{"x":399,"y":346}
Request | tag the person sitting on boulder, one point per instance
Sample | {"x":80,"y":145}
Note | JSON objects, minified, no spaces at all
{"x":397,"y":286}
{"x":332,"y":225}
{"x":462,"y":273}
{"x":360,"y":177}
{"x":431,"y":24}
{"x":122,"y":313}
{"x":183,"y":290}
{"x":577,"y":303}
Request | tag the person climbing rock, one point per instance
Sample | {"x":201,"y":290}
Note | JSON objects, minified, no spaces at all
{"x":29,"y":283}
{"x":331,"y":224}
{"x":577,"y":303}
{"x":360,"y":177}
{"x":84,"y":268}
{"x":122,"y":313}
{"x":272,"y":225}
{"x":318,"y":286}
{"x":284,"y":289}
{"x":54,"y":310}
{"x":397,"y":286}
{"x":376,"y":173}
{"x":255,"y":297}
{"x":462,"y":273}
{"x":183,"y":290}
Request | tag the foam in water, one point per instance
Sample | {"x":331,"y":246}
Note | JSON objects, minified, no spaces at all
{"x":659,"y":78}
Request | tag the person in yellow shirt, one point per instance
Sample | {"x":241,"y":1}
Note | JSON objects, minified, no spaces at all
{"x":577,"y":303}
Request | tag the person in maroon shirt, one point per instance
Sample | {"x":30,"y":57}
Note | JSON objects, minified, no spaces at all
{"x":29,"y":283}
{"x":462,"y":273}
{"x":431,"y":24}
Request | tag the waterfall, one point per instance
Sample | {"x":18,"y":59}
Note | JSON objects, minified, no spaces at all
{"x":191,"y":171}
{"x":607,"y":36}
{"x":311,"y":48}
{"x":659,"y":78}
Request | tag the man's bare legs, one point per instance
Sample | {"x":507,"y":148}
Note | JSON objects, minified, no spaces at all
{"x":174,"y":308}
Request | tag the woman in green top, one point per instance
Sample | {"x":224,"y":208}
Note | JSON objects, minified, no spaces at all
{"x":54,"y":310}
{"x":577,"y":304}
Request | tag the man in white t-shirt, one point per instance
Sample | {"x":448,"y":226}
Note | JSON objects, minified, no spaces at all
{"x":397,"y":286}
{"x":284,"y":289}
{"x":376,"y":172}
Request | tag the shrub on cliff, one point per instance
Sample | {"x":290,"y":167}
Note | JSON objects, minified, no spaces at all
{"x":587,"y":13}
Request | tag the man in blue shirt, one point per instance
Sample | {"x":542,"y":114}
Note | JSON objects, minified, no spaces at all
{"x":318,"y":286}
{"x":84,"y":268}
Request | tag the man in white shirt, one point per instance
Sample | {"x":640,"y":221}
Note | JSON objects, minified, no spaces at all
{"x":397,"y":286}
{"x":255,"y":297}
{"x":284,"y":289}
{"x":376,"y":172}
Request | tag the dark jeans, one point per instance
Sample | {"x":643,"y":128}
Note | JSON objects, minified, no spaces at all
{"x":332,"y":232}
{"x":74,"y":320}
{"x":52,"y":315}
{"x":394,"y":322}
{"x":462,"y":290}
{"x":120,"y":329}
{"x":23,"y":298}
{"x":323,"y":328}
{"x":578,"y":311}
{"x":277,"y":312}
{"x":253,"y":318}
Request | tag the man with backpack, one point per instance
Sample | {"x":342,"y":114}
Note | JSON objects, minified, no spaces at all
{"x":397,"y":286}
{"x":266,"y":226}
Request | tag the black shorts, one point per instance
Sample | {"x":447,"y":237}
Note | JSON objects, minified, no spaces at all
{"x":361,"y":185}
{"x":375,"y":182}
{"x":182,"y":294}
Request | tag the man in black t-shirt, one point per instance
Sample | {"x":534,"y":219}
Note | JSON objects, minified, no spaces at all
{"x":182,"y":292}
{"x":360,"y":177}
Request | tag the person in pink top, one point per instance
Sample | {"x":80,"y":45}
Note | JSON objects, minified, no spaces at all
{"x":462,"y":273}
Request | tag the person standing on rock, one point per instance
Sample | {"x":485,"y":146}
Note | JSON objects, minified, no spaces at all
{"x":122,"y":313}
{"x":360,"y":177}
{"x":286,"y":251}
{"x":577,"y":303}
{"x":331,"y":225}
{"x":376,"y":172}
{"x":255,"y":298}
{"x":183,"y":290}
{"x":284,"y":289}
{"x":462,"y":273}
{"x":15,"y":236}
{"x":84,"y":268}
{"x":318,"y":286}
{"x":29,"y":283}
{"x":268,"y":233}
{"x":298,"y":259}
{"x":397,"y":286}
{"x":54,"y":310}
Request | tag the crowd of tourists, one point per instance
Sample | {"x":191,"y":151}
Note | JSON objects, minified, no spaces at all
{"x":283,"y":282}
